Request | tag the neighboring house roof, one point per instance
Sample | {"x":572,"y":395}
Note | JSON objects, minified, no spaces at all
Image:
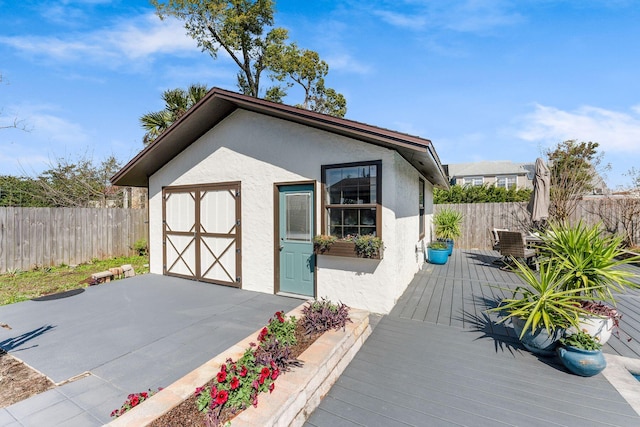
{"x":490,"y":168}
{"x":219,"y":103}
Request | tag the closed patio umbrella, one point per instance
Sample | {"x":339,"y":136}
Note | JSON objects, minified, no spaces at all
{"x":538,"y":206}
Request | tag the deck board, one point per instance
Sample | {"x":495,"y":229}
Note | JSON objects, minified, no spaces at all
{"x":440,"y":359}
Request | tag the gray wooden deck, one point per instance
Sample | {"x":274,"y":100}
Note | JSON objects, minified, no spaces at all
{"x":439,"y":359}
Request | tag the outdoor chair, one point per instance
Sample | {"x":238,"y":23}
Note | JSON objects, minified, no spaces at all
{"x":495,"y":243}
{"x":513,"y":245}
{"x":495,"y":238}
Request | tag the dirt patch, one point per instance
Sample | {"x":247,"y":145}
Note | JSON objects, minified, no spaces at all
{"x":18,"y":381}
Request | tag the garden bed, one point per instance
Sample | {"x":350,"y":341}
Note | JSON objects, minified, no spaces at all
{"x":297,"y":392}
{"x":18,"y":381}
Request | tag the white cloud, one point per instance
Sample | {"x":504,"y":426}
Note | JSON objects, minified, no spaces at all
{"x":149,"y":36}
{"x":44,"y":122}
{"x":132,"y":40}
{"x":455,"y":15}
{"x":58,"y":129}
{"x":615,"y":131}
{"x":346,"y":63}
{"x":408,"y":21}
{"x":479,"y":15}
{"x":50,"y":135}
{"x":21,"y":161}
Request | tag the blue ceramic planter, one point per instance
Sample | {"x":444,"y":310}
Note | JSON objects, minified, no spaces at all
{"x":438,"y":256}
{"x":586,"y":363}
{"x":450,"y":245}
{"x":539,"y":341}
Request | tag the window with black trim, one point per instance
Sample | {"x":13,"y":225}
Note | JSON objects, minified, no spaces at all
{"x":352,"y":199}
{"x":421,"y":207}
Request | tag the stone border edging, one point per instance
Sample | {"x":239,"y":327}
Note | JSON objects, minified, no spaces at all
{"x":297,"y":393}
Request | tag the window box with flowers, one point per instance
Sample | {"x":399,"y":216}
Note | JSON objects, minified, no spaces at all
{"x":367,"y":246}
{"x":352,"y":213}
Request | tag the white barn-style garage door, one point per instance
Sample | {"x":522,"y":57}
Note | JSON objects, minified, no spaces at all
{"x":201,"y":233}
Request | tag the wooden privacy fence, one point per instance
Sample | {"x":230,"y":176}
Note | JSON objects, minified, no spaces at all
{"x":479,"y":218}
{"x":31,"y":237}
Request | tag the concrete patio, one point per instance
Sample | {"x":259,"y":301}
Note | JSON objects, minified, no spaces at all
{"x":438,"y":359}
{"x":123,"y":337}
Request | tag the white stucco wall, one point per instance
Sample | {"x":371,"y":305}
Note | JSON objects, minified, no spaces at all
{"x":381,"y":283}
{"x":258,"y":151}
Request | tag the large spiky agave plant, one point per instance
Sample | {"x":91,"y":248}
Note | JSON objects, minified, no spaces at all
{"x":590,"y":258}
{"x":543,"y":302}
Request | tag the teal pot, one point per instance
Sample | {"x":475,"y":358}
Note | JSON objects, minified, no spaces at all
{"x":539,"y":341}
{"x":585,"y":363}
{"x":438,"y":256}
{"x":450,"y":245}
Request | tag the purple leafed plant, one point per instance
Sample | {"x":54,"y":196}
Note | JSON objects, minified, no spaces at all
{"x":322,"y":315}
{"x":274,"y":353}
{"x":603,"y":310}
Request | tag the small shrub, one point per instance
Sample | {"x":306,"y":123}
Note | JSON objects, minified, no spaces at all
{"x":323,"y":315}
{"x":13,"y":272}
{"x":141,"y":247}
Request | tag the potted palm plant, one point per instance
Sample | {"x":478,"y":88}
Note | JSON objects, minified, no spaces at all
{"x":581,"y":354}
{"x":542,"y":309}
{"x":591,"y":261}
{"x":447,"y":226}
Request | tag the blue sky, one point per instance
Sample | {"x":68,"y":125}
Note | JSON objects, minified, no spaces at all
{"x":483,"y":79}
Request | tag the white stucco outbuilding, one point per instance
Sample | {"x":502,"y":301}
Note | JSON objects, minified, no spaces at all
{"x":239,"y":186}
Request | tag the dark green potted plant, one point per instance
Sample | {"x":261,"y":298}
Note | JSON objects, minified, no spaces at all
{"x":581,"y":354}
{"x":447,"y":226}
{"x":438,"y":252}
{"x":591,"y":261}
{"x":542,"y":309}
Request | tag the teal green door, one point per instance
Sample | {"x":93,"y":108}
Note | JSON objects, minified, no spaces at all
{"x":297,"y":261}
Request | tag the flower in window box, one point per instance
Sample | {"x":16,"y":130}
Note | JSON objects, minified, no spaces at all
{"x":368,"y":246}
{"x":323,"y":242}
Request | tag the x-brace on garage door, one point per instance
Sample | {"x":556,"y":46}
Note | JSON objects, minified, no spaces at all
{"x":201,"y":232}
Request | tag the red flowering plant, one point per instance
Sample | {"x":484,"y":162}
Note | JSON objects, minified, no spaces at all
{"x":238,"y":384}
{"x":132,"y":401}
{"x":279,"y":328}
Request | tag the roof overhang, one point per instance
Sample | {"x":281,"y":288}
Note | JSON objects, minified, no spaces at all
{"x":219,"y":103}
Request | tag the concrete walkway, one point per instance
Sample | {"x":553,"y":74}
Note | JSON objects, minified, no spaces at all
{"x":125,"y":336}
